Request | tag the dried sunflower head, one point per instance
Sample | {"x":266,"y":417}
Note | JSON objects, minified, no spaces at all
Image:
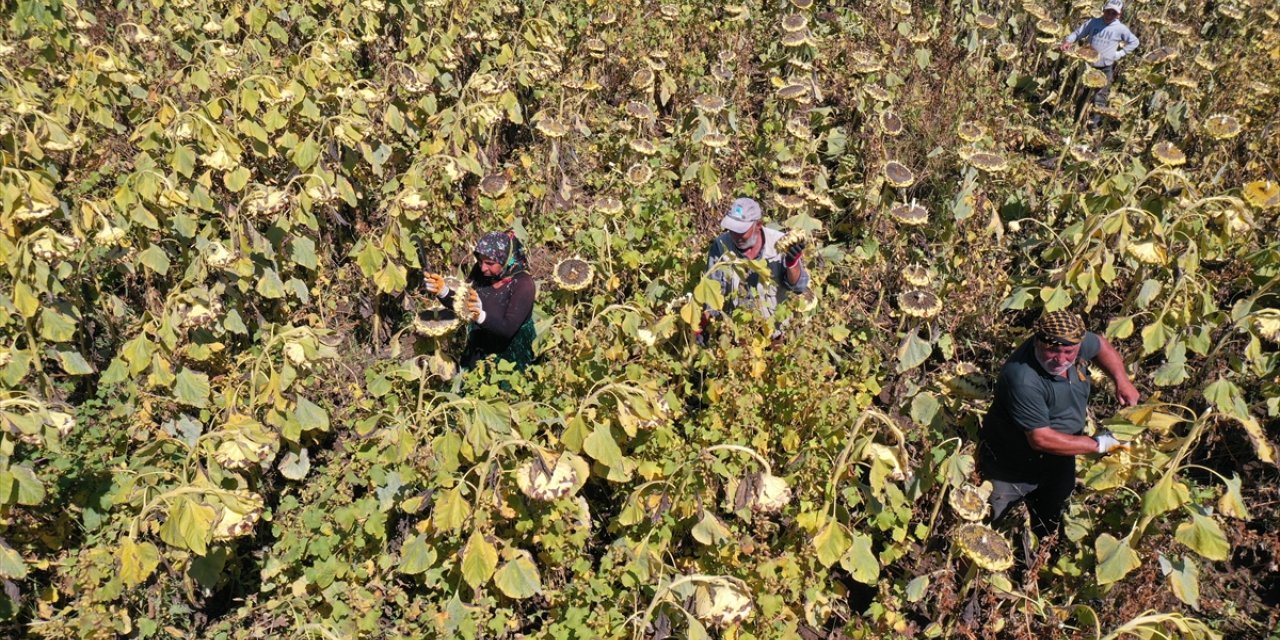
{"x":985,"y":21}
{"x":1161,"y":55}
{"x":608,"y":205}
{"x":771,"y":494}
{"x":639,"y":174}
{"x":890,"y":123}
{"x":723,"y":604}
{"x":970,"y":502}
{"x":709,"y":103}
{"x":465,"y":301}
{"x":434,"y":320}
{"x":790,"y":202}
{"x":876,"y":92}
{"x":1167,"y":154}
{"x":795,"y":92}
{"x":544,"y":484}
{"x":573,"y":274}
{"x":1147,"y":252}
{"x":988,"y":162}
{"x":715,"y":140}
{"x":1263,"y":194}
{"x":1094,"y":79}
{"x":643,"y":147}
{"x":898,"y":175}
{"x":494,"y":185}
{"x":919,"y":303}
{"x":1222,"y":126}
{"x":642,"y":78}
{"x":984,"y":545}
{"x":794,"y":22}
{"x":551,"y":128}
{"x":639,"y":110}
{"x":917,"y":275}
{"x":965,"y":380}
{"x":970,"y":131}
{"x":911,"y":214}
{"x":1085,"y":54}
{"x":1006,"y":51}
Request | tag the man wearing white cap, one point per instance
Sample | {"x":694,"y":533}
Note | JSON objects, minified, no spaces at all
{"x":746,"y":237}
{"x":1111,"y":39}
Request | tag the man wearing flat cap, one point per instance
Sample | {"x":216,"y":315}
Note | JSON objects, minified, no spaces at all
{"x":1033,"y":431}
{"x":746,"y":237}
{"x":1111,"y":39}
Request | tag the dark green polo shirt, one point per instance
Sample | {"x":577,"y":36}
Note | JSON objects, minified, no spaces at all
{"x":1027,"y":397}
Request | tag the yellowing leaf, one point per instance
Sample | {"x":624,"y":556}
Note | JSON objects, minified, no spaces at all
{"x":519,"y":578}
{"x":1115,"y":558}
{"x":416,"y":556}
{"x":137,"y":561}
{"x":860,"y":561}
{"x":188,"y":525}
{"x":1203,"y":535}
{"x":478,"y":561}
{"x":831,"y":544}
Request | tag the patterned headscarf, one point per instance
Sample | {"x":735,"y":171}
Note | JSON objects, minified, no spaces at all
{"x":1060,"y":327}
{"x":502,"y":247}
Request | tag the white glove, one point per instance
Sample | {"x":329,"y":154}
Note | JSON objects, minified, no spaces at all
{"x":1107,"y":442}
{"x":479,"y":307}
{"x":432,"y":281}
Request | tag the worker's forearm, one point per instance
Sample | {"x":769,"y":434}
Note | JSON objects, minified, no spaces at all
{"x":1046,"y":440}
{"x":794,"y":272}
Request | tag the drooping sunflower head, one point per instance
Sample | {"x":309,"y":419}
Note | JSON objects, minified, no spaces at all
{"x":917,"y":275}
{"x":898,"y":175}
{"x":435,"y":320}
{"x":573,"y":274}
{"x":970,"y":502}
{"x":984,"y":545}
{"x":988,"y":162}
{"x":1094,"y":79}
{"x":494,"y":185}
{"x":910,"y":214}
{"x":1168,"y":154}
{"x":890,"y":123}
{"x":1222,"y":126}
{"x":920,"y":303}
{"x":1263,"y":194}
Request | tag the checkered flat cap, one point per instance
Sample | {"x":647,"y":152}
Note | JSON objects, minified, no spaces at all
{"x":1060,"y":327}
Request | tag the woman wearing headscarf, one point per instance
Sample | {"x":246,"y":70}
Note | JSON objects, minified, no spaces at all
{"x":503,"y":325}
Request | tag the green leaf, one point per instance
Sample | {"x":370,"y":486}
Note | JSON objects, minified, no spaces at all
{"x":710,"y":293}
{"x":518,"y":578}
{"x":302,"y":250}
{"x":236,"y":179}
{"x":1184,"y":579}
{"x":1231,"y":504}
{"x":306,"y":153}
{"x":188,"y":525}
{"x":56,"y":327}
{"x":269,"y":285}
{"x":154,"y":259}
{"x":917,"y":588}
{"x":26,"y":488}
{"x":1154,"y":337}
{"x":1115,"y":558}
{"x":311,"y":416}
{"x":860,"y":561}
{"x":924,"y":407}
{"x":831,"y":544}
{"x":74,"y":363}
{"x":25,"y":299}
{"x":451,"y":510}
{"x":601,"y":446}
{"x":137,"y":561}
{"x":416,"y":556}
{"x":709,"y":529}
{"x":1204,"y":536}
{"x":192,"y":388}
{"x":391,"y":278}
{"x":913,"y":351}
{"x":295,"y":465}
{"x":1167,"y":495}
{"x":478,"y":560}
{"x":12,"y":565}
{"x":184,"y":160}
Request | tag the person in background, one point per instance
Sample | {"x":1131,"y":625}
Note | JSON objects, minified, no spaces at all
{"x":503,"y":302}
{"x":746,"y":237}
{"x":1033,"y":432}
{"x":1112,"y":40}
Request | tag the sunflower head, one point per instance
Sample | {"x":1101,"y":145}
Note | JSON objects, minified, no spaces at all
{"x":898,"y":175}
{"x":1168,"y":154}
{"x":545,"y":480}
{"x":984,"y":545}
{"x":1222,"y":126}
{"x":1263,"y":194}
{"x":920,"y":303}
{"x":435,"y":320}
{"x":970,"y":502}
{"x":910,"y":214}
{"x":573,"y":274}
{"x":890,"y":123}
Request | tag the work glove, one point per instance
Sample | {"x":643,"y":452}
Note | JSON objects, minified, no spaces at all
{"x":434,"y":284}
{"x":1108,"y":442}
{"x":477,"y":307}
{"x":795,"y":251}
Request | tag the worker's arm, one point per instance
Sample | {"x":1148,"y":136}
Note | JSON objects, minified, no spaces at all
{"x":1109,"y":360}
{"x":1046,"y":440}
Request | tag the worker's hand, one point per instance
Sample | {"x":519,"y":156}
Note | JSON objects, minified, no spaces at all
{"x":1108,"y":442}
{"x":1066,"y":46}
{"x":434,"y":284}
{"x":476,"y":307}
{"x":794,"y":252}
{"x":1127,"y":394}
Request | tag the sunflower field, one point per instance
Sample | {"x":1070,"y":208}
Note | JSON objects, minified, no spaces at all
{"x":227,"y":409}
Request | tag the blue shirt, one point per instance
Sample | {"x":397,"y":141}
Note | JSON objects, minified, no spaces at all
{"x":752,"y":291}
{"x":1112,"y":41}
